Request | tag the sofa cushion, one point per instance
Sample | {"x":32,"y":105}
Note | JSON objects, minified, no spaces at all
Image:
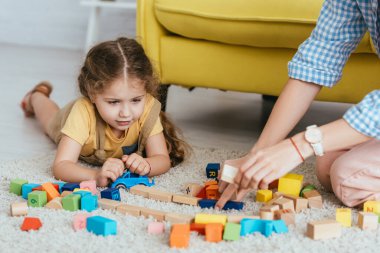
{"x":258,"y":23}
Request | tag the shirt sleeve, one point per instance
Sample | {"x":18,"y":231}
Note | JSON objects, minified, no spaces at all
{"x":321,"y":58}
{"x":157,"y":128}
{"x":365,"y":116}
{"x":77,"y":125}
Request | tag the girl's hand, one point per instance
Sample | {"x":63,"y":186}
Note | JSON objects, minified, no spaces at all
{"x":136,"y":164}
{"x":111,"y":170}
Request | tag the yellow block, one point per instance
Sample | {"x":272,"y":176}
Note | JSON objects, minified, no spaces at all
{"x":263,"y":195}
{"x":290,"y":184}
{"x":372,"y":206}
{"x":204,"y":218}
{"x":343,"y":216}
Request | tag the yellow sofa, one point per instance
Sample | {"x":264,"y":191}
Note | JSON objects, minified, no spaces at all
{"x":242,"y":45}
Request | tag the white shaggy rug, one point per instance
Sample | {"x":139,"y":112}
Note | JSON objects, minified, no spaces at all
{"x":58,"y":235}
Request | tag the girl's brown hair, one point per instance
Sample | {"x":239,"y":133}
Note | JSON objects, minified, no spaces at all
{"x":108,"y":61}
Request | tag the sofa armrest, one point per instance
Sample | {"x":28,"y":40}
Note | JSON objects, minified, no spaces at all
{"x":149,"y":31}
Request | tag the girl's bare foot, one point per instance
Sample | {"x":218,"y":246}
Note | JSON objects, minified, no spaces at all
{"x":26,"y":105}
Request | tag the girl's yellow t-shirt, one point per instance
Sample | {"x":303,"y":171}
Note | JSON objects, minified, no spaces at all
{"x":81,"y":123}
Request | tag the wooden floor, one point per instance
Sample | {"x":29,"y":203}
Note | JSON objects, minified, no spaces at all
{"x":208,"y":118}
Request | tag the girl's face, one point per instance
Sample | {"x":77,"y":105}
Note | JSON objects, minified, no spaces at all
{"x":121,"y":104}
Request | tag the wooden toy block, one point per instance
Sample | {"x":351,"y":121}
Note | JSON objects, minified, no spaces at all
{"x":285,"y":203}
{"x":80,"y":221}
{"x":314,"y":198}
{"x":65,"y":193}
{"x":202,"y":193}
{"x":55,"y":203}
{"x":271,"y":208}
{"x":69,"y":187}
{"x":129,"y":210}
{"x":210,"y":182}
{"x":156,"y":214}
{"x":91,"y":185}
{"x":229,"y":173}
{"x":212,"y":192}
{"x":26,"y":188}
{"x":290,"y":184}
{"x":89,"y":202}
{"x":110,"y":193}
{"x":160,"y":195}
{"x":238,"y":218}
{"x":263,"y":195}
{"x":212,"y":170}
{"x":286,"y":215}
{"x":271,"y":202}
{"x":179,"y":236}
{"x":101,"y":226}
{"x":306,"y":188}
{"x":156,"y":228}
{"x":372,"y":206}
{"x":279,"y":226}
{"x":140,"y":190}
{"x":273,"y":185}
{"x":323,"y":229}
{"x":343,"y":216}
{"x":210,"y":203}
{"x":214,"y":232}
{"x":51,"y":191}
{"x":60,"y":185}
{"x":199,"y":228}
{"x":231,"y":232}
{"x":16,"y":186}
{"x":37,"y":198}
{"x":249,"y":226}
{"x":40,"y":188}
{"x":185,"y":199}
{"x":299,"y":203}
{"x":192,"y":189}
{"x":19,"y":209}
{"x":71,"y":202}
{"x":264,"y":215}
{"x":204,"y":218}
{"x":108,"y":204}
{"x":31,"y":223}
{"x":367,"y":221}
{"x":177,"y":218}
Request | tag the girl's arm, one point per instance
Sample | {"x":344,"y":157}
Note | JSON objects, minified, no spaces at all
{"x":66,"y":168}
{"x":157,"y":161}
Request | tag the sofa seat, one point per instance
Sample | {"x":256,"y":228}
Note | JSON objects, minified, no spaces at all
{"x":266,"y":23}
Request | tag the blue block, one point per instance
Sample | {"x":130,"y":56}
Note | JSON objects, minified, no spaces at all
{"x":212,"y":170}
{"x":210,"y":203}
{"x":82,"y":193}
{"x":110,"y":193}
{"x":89,"y":202}
{"x":26,"y":188}
{"x":279,"y":226}
{"x":69,"y":187}
{"x":250,"y":226}
{"x":101,"y":226}
{"x":60,"y":184}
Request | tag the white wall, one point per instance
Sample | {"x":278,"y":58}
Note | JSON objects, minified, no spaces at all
{"x":58,"y":23}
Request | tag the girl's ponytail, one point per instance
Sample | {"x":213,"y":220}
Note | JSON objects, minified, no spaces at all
{"x":178,"y":149}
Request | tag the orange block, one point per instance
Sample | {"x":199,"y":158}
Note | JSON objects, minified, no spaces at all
{"x":211,"y":182}
{"x":51,"y":192}
{"x":214,"y":232}
{"x":212,"y":192}
{"x":31,"y":223}
{"x":180,"y":236}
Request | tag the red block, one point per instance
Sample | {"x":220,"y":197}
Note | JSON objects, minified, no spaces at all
{"x":200,"y":228}
{"x":202,"y":193}
{"x":39,"y":188}
{"x":31,"y":223}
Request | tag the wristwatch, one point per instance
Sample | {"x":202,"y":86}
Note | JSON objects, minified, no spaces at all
{"x":313,"y":135}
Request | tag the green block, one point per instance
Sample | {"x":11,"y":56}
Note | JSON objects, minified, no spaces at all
{"x":71,"y":202}
{"x":16,"y":185}
{"x":231,"y":231}
{"x":37,"y":198}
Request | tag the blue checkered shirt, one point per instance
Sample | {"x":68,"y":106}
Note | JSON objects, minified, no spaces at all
{"x":321,"y":58}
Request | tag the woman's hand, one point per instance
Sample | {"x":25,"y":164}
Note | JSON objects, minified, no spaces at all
{"x":136,"y":164}
{"x":111,"y":170}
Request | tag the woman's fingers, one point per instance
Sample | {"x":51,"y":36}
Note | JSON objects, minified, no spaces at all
{"x":226,"y":196}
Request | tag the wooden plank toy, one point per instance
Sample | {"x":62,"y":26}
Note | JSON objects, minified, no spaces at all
{"x":101,"y":226}
{"x":55,"y":203}
{"x":214,"y":232}
{"x":178,"y":218}
{"x":108,"y":204}
{"x":160,"y":195}
{"x":51,"y":191}
{"x":314,"y":198}
{"x":290,"y":184}
{"x":179,"y":236}
{"x":368,"y":221}
{"x":31,"y":223}
{"x":323,"y":229}
{"x":156,"y":228}
{"x":343,"y":216}
{"x":129,"y":210}
{"x":140,"y":190}
{"x":16,"y":186}
{"x":212,"y":170}
{"x":156,"y":214}
{"x":19,"y":208}
{"x":185,"y":199}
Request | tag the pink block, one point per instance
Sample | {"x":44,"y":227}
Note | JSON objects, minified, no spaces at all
{"x":80,"y":221}
{"x":91,"y":185}
{"x":156,"y":228}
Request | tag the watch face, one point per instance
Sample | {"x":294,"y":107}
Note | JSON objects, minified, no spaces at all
{"x":313,"y":135}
